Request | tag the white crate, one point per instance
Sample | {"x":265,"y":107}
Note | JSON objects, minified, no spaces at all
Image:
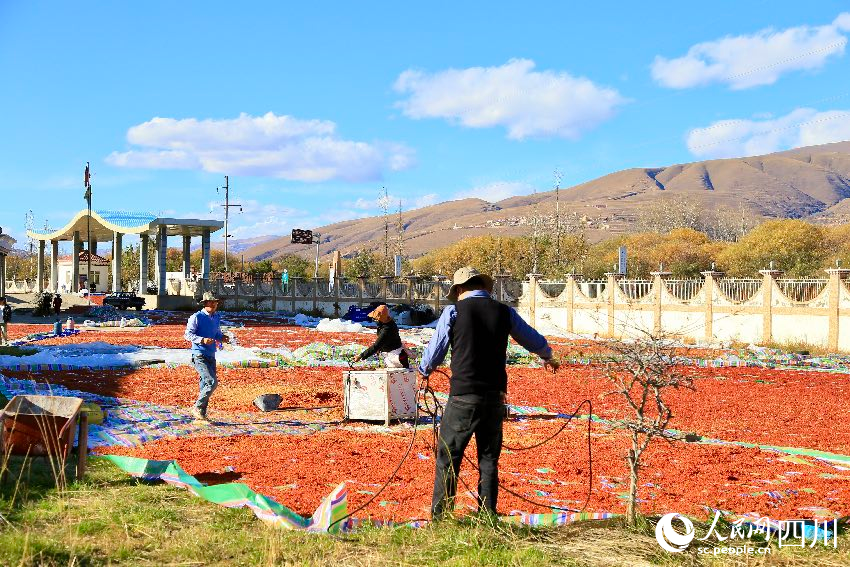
{"x":380,"y":395}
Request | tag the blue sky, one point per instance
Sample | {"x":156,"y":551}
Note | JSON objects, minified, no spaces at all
{"x":311,"y":110}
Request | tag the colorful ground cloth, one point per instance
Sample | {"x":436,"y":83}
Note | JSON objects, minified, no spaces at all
{"x":328,"y":517}
{"x":130,"y":423}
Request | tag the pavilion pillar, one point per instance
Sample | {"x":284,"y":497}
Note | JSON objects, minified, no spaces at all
{"x":143,"y":264}
{"x":54,"y":266}
{"x":116,"y":261}
{"x":161,"y":253}
{"x":40,"y":271}
{"x":92,"y":246}
{"x":187,"y":260}
{"x":205,"y":254}
{"x":75,"y":262}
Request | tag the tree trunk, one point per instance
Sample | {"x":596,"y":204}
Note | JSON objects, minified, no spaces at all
{"x":632,"y":505}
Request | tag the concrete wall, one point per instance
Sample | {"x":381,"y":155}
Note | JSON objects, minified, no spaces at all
{"x":706,"y":315}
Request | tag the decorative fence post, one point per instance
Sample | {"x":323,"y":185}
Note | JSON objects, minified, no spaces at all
{"x":411,"y":289}
{"x":710,"y":287}
{"x":768,"y":277}
{"x":657,"y":288}
{"x":499,"y":289}
{"x":315,"y":293}
{"x":532,"y":299}
{"x":611,"y":287}
{"x":336,"y":281}
{"x":834,"y":302}
{"x":572,"y":284}
{"x":361,"y":290}
{"x":385,"y":287}
{"x":293,"y":288}
{"x":438,"y":293}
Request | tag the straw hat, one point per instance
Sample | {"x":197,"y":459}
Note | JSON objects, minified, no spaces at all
{"x":464,"y":275}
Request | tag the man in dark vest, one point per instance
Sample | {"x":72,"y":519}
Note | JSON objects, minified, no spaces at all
{"x":477,"y":328}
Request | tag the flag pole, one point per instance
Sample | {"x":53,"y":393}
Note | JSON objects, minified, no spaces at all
{"x":88,"y":230}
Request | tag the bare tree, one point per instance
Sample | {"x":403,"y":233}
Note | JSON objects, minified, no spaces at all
{"x":641,"y":370}
{"x":666,"y":214}
{"x":400,"y":233}
{"x":384,"y":203}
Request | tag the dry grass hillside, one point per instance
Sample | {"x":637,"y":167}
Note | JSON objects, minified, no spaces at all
{"x":811,"y":183}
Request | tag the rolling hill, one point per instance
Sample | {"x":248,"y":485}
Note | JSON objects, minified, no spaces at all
{"x":812,"y":183}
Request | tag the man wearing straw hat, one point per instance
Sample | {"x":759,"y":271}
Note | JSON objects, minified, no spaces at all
{"x":477,"y":328}
{"x":203,"y":330}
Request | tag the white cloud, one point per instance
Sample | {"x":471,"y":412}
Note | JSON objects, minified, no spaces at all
{"x":264,"y":219}
{"x":527,"y":103}
{"x":274,"y":146}
{"x":801,"y":127}
{"x":493,"y":192}
{"x":260,"y":219}
{"x":746,"y":61}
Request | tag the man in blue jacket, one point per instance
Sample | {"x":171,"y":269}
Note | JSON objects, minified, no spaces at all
{"x":203,"y":330}
{"x":477,"y":328}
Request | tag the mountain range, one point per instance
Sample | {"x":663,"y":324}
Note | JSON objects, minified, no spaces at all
{"x":811,"y":183}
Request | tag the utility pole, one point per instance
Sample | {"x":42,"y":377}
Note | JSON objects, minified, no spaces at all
{"x":400,"y":233}
{"x":29,"y":226}
{"x":227,"y":206}
{"x":318,"y":239}
{"x":558,"y":220}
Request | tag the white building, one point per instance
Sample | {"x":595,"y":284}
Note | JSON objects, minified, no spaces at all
{"x":99,"y":272}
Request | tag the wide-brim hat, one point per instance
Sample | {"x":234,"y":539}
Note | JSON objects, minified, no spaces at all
{"x":209,"y":296}
{"x":466,"y":274}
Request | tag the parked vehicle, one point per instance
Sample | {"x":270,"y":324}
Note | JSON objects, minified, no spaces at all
{"x":124,"y":300}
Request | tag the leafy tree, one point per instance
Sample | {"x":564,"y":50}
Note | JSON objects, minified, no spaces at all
{"x":261,"y":267}
{"x":684,"y":252}
{"x":216,"y":260}
{"x":21,"y":267}
{"x":364,"y":264}
{"x":296,"y":266}
{"x":799,"y":248}
{"x":837,"y":246}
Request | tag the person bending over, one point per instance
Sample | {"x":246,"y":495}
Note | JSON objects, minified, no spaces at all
{"x":388,"y":341}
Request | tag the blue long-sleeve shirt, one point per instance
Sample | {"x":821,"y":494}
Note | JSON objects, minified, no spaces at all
{"x":523,"y":333}
{"x":201,"y":325}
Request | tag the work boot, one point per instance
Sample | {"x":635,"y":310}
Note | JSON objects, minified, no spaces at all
{"x":198,"y":414}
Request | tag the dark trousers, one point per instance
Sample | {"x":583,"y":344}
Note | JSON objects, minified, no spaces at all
{"x":464,"y":415}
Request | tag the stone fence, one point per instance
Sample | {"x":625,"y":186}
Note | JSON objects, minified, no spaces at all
{"x":758,"y":310}
{"x":712,"y":308}
{"x":333,"y":297}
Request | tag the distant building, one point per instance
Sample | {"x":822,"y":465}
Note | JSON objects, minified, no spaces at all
{"x":99,"y":271}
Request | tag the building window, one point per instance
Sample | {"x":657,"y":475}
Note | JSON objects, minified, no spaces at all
{"x":95,"y":278}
